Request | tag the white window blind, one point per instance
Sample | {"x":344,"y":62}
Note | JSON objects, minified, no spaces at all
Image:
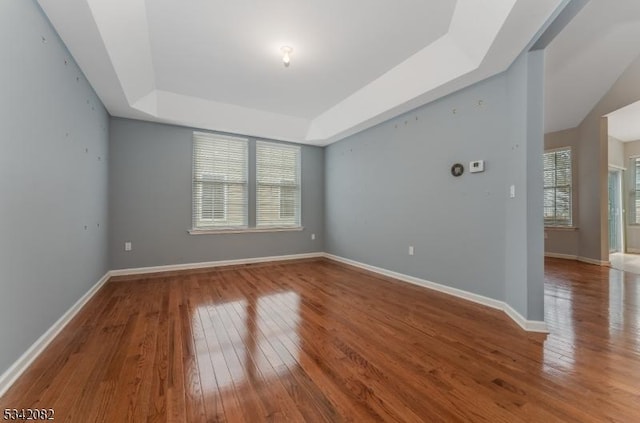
{"x":557,"y":187}
{"x":277,"y":185}
{"x":634,"y":200}
{"x":219,"y":181}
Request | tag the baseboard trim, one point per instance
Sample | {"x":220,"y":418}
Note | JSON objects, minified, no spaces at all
{"x":578,"y":258}
{"x":207,"y":264}
{"x":594,"y":261}
{"x":527,"y":325}
{"x":8,"y":378}
{"x":21,"y":364}
{"x":633,"y":250}
{"x":561,"y":256}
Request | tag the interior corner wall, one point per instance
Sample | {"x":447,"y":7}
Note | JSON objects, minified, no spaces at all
{"x":53,"y":180}
{"x":390,"y":187}
{"x":524,"y":245}
{"x":150,"y":178}
{"x":593,"y":160}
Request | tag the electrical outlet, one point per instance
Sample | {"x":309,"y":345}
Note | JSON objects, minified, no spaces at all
{"x":410,"y":250}
{"x":127,"y":246}
{"x":512,"y":191}
{"x":313,"y":236}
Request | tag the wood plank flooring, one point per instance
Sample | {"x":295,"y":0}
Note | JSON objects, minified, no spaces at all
{"x":319,"y":341}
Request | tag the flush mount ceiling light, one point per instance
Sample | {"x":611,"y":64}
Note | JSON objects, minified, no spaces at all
{"x":286,"y":55}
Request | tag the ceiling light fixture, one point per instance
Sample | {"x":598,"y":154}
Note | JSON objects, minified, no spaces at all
{"x":286,"y":55}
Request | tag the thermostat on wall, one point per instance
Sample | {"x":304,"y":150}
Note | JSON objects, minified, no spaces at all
{"x":476,"y":166}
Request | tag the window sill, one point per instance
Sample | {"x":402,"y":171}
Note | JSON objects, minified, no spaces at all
{"x":244,"y":230}
{"x":560,"y":228}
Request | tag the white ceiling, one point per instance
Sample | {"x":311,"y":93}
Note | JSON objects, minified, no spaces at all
{"x":587,"y":57}
{"x":216,"y":64}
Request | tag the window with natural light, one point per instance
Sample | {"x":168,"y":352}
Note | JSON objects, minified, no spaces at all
{"x":277,"y":185}
{"x":634,"y":200}
{"x":558,"y":187}
{"x":219,"y":188}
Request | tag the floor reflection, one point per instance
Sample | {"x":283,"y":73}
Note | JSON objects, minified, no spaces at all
{"x":559,"y":350}
{"x":626,"y":262}
{"x":593,"y":316}
{"x":247,"y":341}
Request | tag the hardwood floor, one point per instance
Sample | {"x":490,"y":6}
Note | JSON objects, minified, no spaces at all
{"x":319,"y":341}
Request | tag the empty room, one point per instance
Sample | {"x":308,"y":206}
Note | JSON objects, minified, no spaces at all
{"x":247,"y":211}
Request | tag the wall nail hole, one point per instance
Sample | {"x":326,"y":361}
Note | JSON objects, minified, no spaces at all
{"x":44,"y":40}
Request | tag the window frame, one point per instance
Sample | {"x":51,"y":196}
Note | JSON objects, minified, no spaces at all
{"x":634,"y":192}
{"x":553,"y":224}
{"x":251,"y":208}
{"x":297,"y":188}
{"x":197,"y":213}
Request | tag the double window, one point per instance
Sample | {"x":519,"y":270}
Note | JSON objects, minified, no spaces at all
{"x":221,"y":197}
{"x":558,"y":187}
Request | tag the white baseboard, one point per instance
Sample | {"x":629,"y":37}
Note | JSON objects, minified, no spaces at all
{"x":561,"y":256}
{"x":579,"y":258}
{"x":13,"y":373}
{"x":206,"y":264}
{"x":633,"y":250}
{"x":594,"y":261}
{"x":528,"y":325}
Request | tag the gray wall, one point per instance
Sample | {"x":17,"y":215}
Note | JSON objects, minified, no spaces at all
{"x":150,"y":202}
{"x":524,"y":245}
{"x":53,"y":180}
{"x":389,"y":187}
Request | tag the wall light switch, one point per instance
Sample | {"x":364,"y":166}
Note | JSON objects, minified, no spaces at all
{"x":476,"y":166}
{"x":410,"y":250}
{"x":127,"y":246}
{"x":313,"y":236}
{"x":512,"y":191}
